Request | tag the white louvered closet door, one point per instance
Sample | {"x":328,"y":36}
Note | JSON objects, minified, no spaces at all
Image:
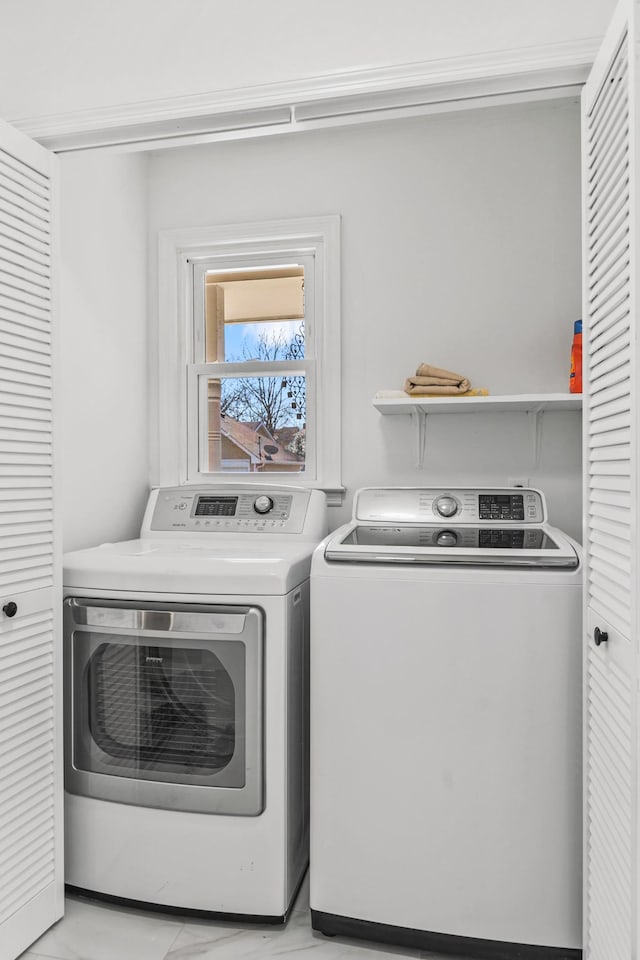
{"x":610,"y":141}
{"x":31,"y":878}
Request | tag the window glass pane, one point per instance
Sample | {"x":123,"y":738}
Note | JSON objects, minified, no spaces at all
{"x":283,"y":340}
{"x":254,"y":314}
{"x":256,"y":424}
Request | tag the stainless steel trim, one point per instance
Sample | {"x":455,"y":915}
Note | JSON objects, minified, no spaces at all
{"x":210,"y":622}
{"x":443,"y":557}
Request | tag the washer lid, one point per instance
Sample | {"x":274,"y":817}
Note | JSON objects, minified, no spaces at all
{"x":486,"y":545}
{"x":167,"y":566}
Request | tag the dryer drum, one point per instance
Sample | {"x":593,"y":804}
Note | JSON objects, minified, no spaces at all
{"x":160,"y":708}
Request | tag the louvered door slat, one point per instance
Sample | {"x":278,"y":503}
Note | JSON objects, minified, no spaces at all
{"x":605,"y":555}
{"x":17,"y":255}
{"x":18,"y":276}
{"x":605,"y":288}
{"x":615,"y":580}
{"x":609,"y":316}
{"x":26,"y":689}
{"x":31,"y":249}
{"x":24,"y":466}
{"x":605,"y":483}
{"x":610,"y":370}
{"x":31,"y":891}
{"x":15,"y":297}
{"x":16,"y":839}
{"x":33,"y":331}
{"x":598,"y":228}
{"x":614,"y":336}
{"x":619,"y":438}
{"x":609,"y":228}
{"x":612,"y":497}
{"x":607,"y":181}
{"x":609,"y":125}
{"x":609,"y":260}
{"x":615,"y":392}
{"x":605,"y":311}
{"x":612,"y":757}
{"x":26,"y":176}
{"x":30,"y":326}
{"x":617,"y":66}
{"x":21,"y":206}
{"x":28,"y":333}
{"x":15,"y":388}
{"x":611,"y":243}
{"x":15,"y":358}
{"x":26,"y":651}
{"x":606,"y":165}
{"x":613,"y":856}
{"x":611,"y":420}
{"x":33,"y":876}
{"x":608,"y":201}
{"x":610,"y":784}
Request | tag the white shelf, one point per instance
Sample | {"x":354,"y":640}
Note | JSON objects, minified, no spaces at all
{"x":524,"y":403}
{"x":529,"y":403}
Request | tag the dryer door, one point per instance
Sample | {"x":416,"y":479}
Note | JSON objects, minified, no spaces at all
{"x":164,"y":705}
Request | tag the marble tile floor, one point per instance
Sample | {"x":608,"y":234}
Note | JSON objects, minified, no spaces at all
{"x":91,"y":930}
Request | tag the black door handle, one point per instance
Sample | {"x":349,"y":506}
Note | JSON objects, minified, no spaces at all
{"x":600,"y":636}
{"x":10,"y":609}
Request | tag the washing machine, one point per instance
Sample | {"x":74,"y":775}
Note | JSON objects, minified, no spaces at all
{"x":446,"y":809}
{"x":186,"y":703}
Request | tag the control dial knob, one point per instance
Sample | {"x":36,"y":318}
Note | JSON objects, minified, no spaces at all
{"x":447,"y":538}
{"x":446,"y":506}
{"x":263,"y":504}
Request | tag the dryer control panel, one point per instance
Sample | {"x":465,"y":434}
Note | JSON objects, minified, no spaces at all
{"x":475,"y":505}
{"x":220,"y":508}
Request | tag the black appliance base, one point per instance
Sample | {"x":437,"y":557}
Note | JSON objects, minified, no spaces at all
{"x":333,"y":925}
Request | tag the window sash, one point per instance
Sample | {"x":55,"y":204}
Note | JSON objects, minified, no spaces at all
{"x":279,"y":258}
{"x":198,"y":377}
{"x":199,"y":372}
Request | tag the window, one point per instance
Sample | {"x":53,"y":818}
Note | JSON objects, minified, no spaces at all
{"x":248,"y":386}
{"x":249,"y":330}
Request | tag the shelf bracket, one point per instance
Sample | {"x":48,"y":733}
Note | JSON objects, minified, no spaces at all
{"x":421,"y":436}
{"x":535,"y":431}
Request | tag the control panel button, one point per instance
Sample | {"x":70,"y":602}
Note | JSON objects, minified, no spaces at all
{"x":263,"y":504}
{"x":447,"y":538}
{"x":446,"y":506}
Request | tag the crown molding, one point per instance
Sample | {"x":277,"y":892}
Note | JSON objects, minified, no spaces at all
{"x":527,"y":73}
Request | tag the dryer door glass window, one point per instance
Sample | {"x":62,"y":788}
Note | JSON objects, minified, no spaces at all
{"x":163,"y":702}
{"x":163,"y":712}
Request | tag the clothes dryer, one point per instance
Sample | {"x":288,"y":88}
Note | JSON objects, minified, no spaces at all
{"x":186,"y":681}
{"x":446,"y":725}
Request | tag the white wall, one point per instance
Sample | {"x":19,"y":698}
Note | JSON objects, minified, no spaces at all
{"x":73,"y":55}
{"x":461,"y":247}
{"x":103,"y":371}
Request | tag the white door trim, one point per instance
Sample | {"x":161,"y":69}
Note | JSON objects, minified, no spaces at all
{"x":527,"y":73}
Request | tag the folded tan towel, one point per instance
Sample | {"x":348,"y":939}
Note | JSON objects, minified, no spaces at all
{"x":426,"y":370}
{"x":436,"y":382}
{"x":428,"y":392}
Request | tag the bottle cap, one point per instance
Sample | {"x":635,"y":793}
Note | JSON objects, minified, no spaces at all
{"x":577,"y":327}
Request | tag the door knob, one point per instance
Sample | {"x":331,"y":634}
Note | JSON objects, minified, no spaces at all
{"x":10,"y":609}
{"x":600,"y":636}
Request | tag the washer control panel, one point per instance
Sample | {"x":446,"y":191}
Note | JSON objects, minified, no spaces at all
{"x":218,"y":509}
{"x":476,"y":505}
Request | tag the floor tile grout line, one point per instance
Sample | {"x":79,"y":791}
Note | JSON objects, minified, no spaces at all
{"x":173,"y":942}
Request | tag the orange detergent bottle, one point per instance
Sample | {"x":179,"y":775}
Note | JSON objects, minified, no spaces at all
{"x":575,"y":376}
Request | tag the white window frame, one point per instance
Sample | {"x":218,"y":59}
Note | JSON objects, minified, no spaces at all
{"x":179,"y":388}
